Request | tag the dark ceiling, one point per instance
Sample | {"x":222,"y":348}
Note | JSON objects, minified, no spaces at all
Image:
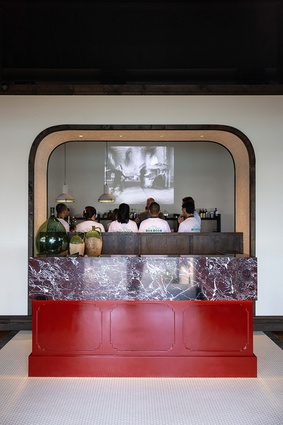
{"x":77,"y":46}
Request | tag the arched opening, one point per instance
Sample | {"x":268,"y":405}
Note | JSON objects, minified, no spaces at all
{"x":232,"y":139}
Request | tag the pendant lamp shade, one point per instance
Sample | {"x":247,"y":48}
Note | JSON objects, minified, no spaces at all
{"x":65,"y":196}
{"x":106,"y":196}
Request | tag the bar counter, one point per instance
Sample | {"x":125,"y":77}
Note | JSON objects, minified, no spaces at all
{"x":143,"y":278}
{"x":189,"y":316}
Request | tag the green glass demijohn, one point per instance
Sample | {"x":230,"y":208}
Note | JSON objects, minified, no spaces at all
{"x":51,"y":238}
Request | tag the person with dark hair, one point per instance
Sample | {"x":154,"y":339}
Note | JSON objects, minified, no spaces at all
{"x":146,"y":213}
{"x":123,"y":222}
{"x":186,"y":200}
{"x":90,"y":216}
{"x":190,"y":223}
{"x":62,"y":213}
{"x":112,"y":217}
{"x":154,"y":223}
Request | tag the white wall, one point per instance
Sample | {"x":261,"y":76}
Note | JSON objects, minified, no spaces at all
{"x":22,"y":118}
{"x":203,"y":170}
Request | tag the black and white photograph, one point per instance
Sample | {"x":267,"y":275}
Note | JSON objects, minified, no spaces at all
{"x":135,"y":172}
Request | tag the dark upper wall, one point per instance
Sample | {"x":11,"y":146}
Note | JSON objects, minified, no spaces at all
{"x":58,"y":46}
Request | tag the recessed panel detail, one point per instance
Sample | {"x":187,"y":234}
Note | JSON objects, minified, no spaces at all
{"x":227,"y":328}
{"x":68,"y":327}
{"x":142,"y":327}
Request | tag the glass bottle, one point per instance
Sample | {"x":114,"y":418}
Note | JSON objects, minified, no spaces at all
{"x":73,"y":224}
{"x":51,"y":238}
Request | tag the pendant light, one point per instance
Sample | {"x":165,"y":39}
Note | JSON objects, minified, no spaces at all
{"x":106,"y":196}
{"x":65,"y":196}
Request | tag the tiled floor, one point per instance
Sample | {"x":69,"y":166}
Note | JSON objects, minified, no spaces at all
{"x":142,"y":401}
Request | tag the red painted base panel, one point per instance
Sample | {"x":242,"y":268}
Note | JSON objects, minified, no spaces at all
{"x":202,"y":367}
{"x":142,"y":339}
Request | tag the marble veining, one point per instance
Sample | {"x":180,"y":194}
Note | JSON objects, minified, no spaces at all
{"x":143,"y":278}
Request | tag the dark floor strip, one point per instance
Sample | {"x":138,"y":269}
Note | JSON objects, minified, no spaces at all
{"x":275,"y":339}
{"x":7,"y":338}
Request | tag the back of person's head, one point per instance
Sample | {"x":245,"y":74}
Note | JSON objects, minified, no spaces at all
{"x":149,"y":202}
{"x":123,"y":214}
{"x":114,"y":214}
{"x":154,"y":208}
{"x":89,"y":212}
{"x":189,"y":207}
{"x":188,"y":199}
{"x":60,"y":208}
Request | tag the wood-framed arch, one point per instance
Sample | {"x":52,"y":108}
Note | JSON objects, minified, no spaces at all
{"x":231,"y":138}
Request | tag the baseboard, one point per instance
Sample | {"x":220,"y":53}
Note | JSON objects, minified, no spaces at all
{"x":15,"y":323}
{"x":268,"y":323}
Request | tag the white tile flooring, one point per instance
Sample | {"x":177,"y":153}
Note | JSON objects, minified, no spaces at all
{"x":141,"y":401}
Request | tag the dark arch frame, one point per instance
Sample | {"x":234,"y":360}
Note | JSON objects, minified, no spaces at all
{"x":231,"y":138}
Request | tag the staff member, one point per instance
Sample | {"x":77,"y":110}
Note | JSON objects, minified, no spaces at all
{"x":190,"y":224}
{"x":154,"y":223}
{"x":90,"y":216}
{"x":146,"y":213}
{"x":62,"y":213}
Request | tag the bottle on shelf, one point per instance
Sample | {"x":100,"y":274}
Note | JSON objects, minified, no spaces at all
{"x":216,"y":213}
{"x":73,"y":224}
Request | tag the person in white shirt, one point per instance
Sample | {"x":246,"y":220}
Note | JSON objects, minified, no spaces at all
{"x":62,"y":214}
{"x":146,"y":214}
{"x":123,"y":222}
{"x":190,"y":224}
{"x":154,"y":223}
{"x":189,"y":199}
{"x":90,"y":216}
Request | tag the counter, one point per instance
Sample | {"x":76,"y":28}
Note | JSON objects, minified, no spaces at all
{"x":142,"y":316}
{"x":143,"y":278}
